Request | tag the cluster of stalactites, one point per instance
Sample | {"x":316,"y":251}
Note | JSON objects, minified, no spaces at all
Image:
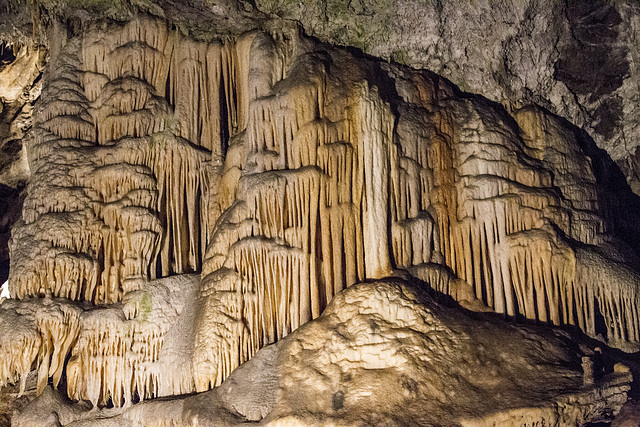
{"x":488,"y":205}
{"x":39,"y":332}
{"x":205,"y":83}
{"x":321,"y":187}
{"x":540,"y":277}
{"x":332,"y":196}
{"x":110,"y":357}
{"x":307,"y":206}
{"x":109,"y":354}
{"x":121,"y":157}
{"x":614,"y":313}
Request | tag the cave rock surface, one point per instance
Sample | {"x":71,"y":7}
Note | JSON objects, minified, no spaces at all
{"x":187,"y":201}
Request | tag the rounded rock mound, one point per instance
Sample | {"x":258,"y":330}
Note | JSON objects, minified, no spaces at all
{"x":386,"y":353}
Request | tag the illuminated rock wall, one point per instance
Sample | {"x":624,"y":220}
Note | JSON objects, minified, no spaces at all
{"x":283,"y":171}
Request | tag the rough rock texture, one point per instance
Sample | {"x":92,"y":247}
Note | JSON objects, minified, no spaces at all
{"x":577,"y":59}
{"x":384,"y":345}
{"x":282,"y":171}
{"x":386,"y":353}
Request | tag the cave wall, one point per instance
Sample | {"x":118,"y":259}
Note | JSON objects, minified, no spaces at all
{"x":281,"y":170}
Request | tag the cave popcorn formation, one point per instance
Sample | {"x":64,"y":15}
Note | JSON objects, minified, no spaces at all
{"x":281,"y":171}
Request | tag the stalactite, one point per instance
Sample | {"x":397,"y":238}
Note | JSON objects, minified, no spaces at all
{"x":414,"y":241}
{"x":538,"y":272}
{"x":284,"y":172}
{"x":275,"y":283}
{"x":37,"y":332}
{"x":114,"y":353}
{"x":375,"y":155}
{"x":612,"y":297}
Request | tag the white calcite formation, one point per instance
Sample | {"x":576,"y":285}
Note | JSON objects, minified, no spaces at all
{"x":142,"y":345}
{"x":282,"y":171}
{"x":384,"y":353}
{"x":339,"y":185}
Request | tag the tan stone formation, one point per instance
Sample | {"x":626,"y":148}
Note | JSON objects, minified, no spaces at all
{"x":282,"y":171}
{"x":141,"y":346}
{"x":109,"y":160}
{"x":337,"y":189}
{"x":383,"y":353}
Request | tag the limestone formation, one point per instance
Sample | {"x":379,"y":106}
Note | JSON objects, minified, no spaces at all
{"x":384,"y":353}
{"x":191,"y":200}
{"x":140,"y":346}
{"x":577,"y":59}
